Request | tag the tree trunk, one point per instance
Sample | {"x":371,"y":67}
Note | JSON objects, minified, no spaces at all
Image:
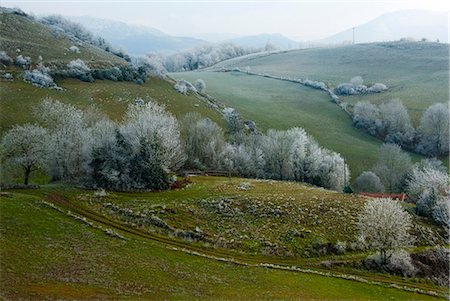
{"x":26,"y":175}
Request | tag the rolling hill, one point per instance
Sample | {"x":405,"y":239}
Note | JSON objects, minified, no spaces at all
{"x":416,"y":24}
{"x":415,"y":72}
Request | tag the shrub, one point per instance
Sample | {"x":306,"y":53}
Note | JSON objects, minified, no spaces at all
{"x":23,"y":62}
{"x":200,"y":85}
{"x":315,"y":84}
{"x":180,"y":88}
{"x":39,"y":78}
{"x":8,"y":76}
{"x":434,"y":264}
{"x":74,"y":49}
{"x":398,"y":263}
{"x":345,"y":89}
{"x":368,"y":182}
{"x":79,"y":69}
{"x":5,"y":59}
{"x":377,"y":88}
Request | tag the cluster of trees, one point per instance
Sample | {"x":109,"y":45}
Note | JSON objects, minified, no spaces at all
{"x":428,"y":185}
{"x":141,"y":152}
{"x":391,"y":122}
{"x":80,"y":70}
{"x":74,"y":146}
{"x":426,"y":182}
{"x":356,"y":86}
{"x":199,"y":57}
{"x":282,"y":155}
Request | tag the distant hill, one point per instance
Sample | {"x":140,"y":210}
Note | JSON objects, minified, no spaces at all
{"x":136,"y":39}
{"x":258,"y":41}
{"x":415,"y":24}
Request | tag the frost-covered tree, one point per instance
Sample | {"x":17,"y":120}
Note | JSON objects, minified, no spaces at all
{"x":247,"y":157}
{"x":366,"y":116}
{"x":397,"y":127}
{"x":25,"y":146}
{"x":234,"y":122}
{"x":277,"y":154}
{"x":152,"y":123}
{"x":392,"y":166}
{"x":434,"y":131}
{"x":422,"y":178}
{"x":384,"y":225}
{"x":429,"y":187}
{"x":368,"y":182}
{"x":68,"y":139}
{"x":200,"y":85}
{"x":204,"y":142}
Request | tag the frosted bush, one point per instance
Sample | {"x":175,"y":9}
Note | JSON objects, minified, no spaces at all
{"x":377,"y":88}
{"x":180,"y":88}
{"x":22,"y":61}
{"x":78,"y":65}
{"x":74,"y":49}
{"x":200,"y":85}
{"x":5,"y":58}
{"x":39,"y":78}
{"x":345,"y":89}
{"x":8,"y":76}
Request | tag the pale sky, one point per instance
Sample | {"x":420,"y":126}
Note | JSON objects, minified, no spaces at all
{"x":300,"y":20}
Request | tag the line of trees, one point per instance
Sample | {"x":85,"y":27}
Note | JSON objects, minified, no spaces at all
{"x":391,"y":122}
{"x":150,"y":144}
{"x":199,"y":57}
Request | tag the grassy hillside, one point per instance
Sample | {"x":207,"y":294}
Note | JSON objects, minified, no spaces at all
{"x":34,"y":40}
{"x":281,"y":105}
{"x":51,"y":254}
{"x":415,"y":72}
{"x":111,"y":98}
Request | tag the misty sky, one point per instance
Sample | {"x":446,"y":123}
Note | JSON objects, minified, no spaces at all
{"x":300,"y":20}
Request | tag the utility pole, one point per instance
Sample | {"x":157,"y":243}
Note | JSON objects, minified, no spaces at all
{"x":353,"y":28}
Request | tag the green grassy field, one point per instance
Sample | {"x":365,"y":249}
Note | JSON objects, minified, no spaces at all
{"x":48,"y":254}
{"x":111,"y":98}
{"x":415,"y":72}
{"x":281,"y":105}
